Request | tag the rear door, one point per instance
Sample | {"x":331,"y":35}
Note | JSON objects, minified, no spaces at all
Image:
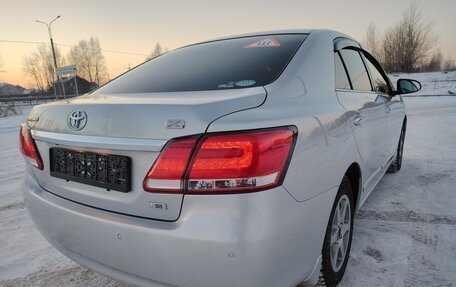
{"x":365,"y":110}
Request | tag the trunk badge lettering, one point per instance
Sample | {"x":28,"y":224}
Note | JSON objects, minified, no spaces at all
{"x":33,"y":119}
{"x":77,"y":120}
{"x":175,"y":124}
{"x":158,"y":205}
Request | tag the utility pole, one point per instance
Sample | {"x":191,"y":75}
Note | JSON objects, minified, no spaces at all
{"x":53,"y":50}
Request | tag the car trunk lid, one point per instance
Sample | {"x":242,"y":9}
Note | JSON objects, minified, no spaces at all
{"x":136,"y":126}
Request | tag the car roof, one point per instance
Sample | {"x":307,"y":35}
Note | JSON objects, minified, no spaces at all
{"x":274,"y":32}
{"x":271,"y":32}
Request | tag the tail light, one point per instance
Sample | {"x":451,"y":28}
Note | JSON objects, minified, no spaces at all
{"x":167,"y":173}
{"x":28,"y":148}
{"x":223,"y":163}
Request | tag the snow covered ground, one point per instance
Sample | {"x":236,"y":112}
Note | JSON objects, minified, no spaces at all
{"x":405,"y":234}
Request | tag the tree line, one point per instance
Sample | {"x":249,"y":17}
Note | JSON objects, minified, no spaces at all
{"x":87,"y":55}
{"x":409,"y":45}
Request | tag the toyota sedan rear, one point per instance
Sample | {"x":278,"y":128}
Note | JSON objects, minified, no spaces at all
{"x":236,"y":162}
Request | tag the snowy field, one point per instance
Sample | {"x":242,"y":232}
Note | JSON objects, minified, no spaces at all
{"x":405,"y":234}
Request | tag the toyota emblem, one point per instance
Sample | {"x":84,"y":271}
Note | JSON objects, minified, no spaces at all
{"x":77,"y":120}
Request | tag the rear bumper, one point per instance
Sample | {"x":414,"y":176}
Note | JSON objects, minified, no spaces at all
{"x":257,"y":239}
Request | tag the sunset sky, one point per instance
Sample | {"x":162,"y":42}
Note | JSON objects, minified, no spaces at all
{"x":135,"y":26}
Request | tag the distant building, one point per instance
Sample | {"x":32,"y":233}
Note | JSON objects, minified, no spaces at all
{"x":84,"y":86}
{"x":7,"y":89}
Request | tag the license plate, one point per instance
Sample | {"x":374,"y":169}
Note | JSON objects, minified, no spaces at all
{"x":103,"y":170}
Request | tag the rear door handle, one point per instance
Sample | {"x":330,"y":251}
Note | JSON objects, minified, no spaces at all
{"x":387,"y":109}
{"x":357,"y":120}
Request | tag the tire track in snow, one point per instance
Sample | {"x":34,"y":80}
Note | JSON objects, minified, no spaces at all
{"x":70,"y":277}
{"x":422,"y":269}
{"x":406,"y":216}
{"x":17,"y":205}
{"x":6,"y":177}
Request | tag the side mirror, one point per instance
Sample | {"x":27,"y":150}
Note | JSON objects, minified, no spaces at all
{"x":407,"y":86}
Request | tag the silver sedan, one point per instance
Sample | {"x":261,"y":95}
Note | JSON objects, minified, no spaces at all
{"x":235,"y":162}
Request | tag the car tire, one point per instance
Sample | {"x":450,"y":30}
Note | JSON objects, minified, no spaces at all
{"x":397,"y":163}
{"x":338,"y":237}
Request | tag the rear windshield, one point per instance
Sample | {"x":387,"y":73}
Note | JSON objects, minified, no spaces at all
{"x":219,"y":65}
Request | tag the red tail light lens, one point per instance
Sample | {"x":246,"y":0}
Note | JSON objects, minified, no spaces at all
{"x":28,"y":148}
{"x":240,"y":162}
{"x":168,"y":170}
{"x":223,"y":163}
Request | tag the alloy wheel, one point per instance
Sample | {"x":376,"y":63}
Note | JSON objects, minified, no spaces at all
{"x":340,"y":233}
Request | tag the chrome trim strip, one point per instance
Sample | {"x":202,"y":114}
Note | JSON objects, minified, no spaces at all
{"x":388,"y":162}
{"x":360,"y":91}
{"x":99,"y":142}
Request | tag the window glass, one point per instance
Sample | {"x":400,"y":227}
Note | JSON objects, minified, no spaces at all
{"x":379,"y":83}
{"x":356,"y":70}
{"x":341,"y":76}
{"x":219,"y":65}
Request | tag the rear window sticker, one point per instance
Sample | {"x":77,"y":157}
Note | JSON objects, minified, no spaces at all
{"x":264,"y":43}
{"x":245,"y":83}
{"x":227,"y":85}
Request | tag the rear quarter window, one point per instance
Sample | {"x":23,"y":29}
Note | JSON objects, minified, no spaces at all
{"x":226,"y":64}
{"x":342,"y":81}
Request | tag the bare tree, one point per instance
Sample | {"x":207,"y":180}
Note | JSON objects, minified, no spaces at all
{"x":39,"y":65}
{"x":373,"y":42}
{"x":89,"y":60}
{"x":449,"y":65}
{"x":31,"y":68}
{"x":158,"y":50}
{"x":435,"y":62}
{"x":407,"y":44}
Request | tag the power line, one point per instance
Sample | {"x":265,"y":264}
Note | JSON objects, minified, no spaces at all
{"x":66,"y":45}
{"x":21,"y":42}
{"x":128,"y":53}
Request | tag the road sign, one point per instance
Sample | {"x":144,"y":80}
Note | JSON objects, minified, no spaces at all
{"x":66,"y":70}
